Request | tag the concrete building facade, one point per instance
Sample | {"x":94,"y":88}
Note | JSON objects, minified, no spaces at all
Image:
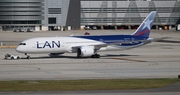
{"x":73,"y":14}
{"x":61,"y":14}
{"x":22,"y":14}
{"x":39,"y":14}
{"x":128,"y":12}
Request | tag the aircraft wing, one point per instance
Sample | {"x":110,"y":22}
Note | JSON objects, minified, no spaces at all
{"x":96,"y":46}
{"x":154,"y":40}
{"x":99,"y":46}
{"x":165,"y":41}
{"x":158,"y":39}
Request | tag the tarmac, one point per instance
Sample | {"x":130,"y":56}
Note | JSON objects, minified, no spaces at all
{"x":156,"y":60}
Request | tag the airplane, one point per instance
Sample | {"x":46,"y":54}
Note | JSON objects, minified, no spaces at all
{"x":89,"y":45}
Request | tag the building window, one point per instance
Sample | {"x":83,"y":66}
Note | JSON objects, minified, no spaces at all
{"x":54,"y":10}
{"x":52,"y":21}
{"x":20,"y":22}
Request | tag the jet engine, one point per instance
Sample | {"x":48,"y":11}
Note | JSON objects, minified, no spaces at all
{"x":85,"y":51}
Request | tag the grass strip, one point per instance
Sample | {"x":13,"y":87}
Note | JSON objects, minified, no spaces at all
{"x":74,"y":85}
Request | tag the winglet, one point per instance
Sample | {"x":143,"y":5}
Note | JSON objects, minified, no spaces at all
{"x":145,"y":27}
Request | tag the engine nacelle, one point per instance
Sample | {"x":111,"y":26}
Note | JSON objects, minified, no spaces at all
{"x":85,"y":51}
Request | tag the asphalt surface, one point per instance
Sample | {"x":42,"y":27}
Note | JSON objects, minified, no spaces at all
{"x":156,"y":60}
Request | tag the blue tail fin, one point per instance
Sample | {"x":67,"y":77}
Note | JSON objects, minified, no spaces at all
{"x":145,"y":27}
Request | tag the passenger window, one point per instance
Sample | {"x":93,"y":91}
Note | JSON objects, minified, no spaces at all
{"x":24,"y":43}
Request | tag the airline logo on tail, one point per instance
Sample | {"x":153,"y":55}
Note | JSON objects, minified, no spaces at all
{"x":145,"y":27}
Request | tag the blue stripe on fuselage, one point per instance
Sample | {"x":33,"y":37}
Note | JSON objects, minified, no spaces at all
{"x":114,"y":38}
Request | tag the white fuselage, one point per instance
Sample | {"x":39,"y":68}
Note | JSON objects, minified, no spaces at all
{"x":62,"y":45}
{"x":86,"y":46}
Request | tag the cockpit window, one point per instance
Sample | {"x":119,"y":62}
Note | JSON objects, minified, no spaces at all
{"x":22,"y":44}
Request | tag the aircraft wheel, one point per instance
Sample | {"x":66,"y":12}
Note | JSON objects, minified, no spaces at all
{"x":28,"y":57}
{"x":95,"y":56}
{"x":18,"y":57}
{"x":78,"y":56}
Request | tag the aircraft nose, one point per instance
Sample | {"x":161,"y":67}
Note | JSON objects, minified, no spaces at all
{"x":18,"y":49}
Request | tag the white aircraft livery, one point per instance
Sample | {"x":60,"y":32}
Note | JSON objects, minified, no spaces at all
{"x":88,"y":46}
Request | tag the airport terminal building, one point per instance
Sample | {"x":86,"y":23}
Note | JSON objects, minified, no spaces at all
{"x":47,"y":15}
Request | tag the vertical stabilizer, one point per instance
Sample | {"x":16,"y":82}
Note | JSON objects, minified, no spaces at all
{"x":145,"y":27}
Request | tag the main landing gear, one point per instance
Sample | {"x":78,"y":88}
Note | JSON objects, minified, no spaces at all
{"x":95,"y":56}
{"x":28,"y":56}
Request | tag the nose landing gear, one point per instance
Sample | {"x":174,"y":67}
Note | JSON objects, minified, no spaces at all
{"x":28,"y":56}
